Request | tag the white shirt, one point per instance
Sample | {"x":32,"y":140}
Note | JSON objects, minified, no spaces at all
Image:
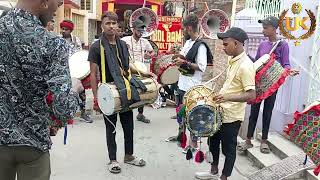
{"x":138,"y":48}
{"x":187,"y":82}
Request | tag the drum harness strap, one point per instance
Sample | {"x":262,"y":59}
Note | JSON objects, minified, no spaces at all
{"x":103,"y":69}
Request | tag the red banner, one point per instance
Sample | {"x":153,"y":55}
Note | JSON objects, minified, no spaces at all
{"x":169,"y":32}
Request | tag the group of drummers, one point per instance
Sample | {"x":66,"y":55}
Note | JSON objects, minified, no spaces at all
{"x":125,"y":85}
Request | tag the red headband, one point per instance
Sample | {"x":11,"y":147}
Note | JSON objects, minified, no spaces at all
{"x":68,"y":25}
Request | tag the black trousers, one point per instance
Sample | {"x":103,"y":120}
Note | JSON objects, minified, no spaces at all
{"x":140,"y":110}
{"x":126,"y":119}
{"x":180,"y":101}
{"x":266,"y":117}
{"x":227,"y":135}
{"x":180,"y":96}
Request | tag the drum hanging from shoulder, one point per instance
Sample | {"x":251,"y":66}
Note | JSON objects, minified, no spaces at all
{"x":270,"y":75}
{"x":109,"y":98}
{"x":203,"y":116}
{"x":165,"y":69}
{"x":79,"y":65}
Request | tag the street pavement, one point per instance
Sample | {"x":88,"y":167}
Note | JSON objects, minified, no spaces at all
{"x":84,"y":157}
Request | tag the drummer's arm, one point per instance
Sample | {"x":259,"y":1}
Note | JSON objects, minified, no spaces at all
{"x":93,"y":79}
{"x":93,"y":58}
{"x":201,"y":60}
{"x":242,"y":97}
{"x":134,"y":70}
{"x":149,"y":49}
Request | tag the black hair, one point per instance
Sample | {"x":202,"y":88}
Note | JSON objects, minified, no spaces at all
{"x":193,"y":21}
{"x":110,"y":15}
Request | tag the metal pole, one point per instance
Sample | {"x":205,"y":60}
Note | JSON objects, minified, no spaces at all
{"x":233,"y":15}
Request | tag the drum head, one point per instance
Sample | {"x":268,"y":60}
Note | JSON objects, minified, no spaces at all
{"x":170,"y":75}
{"x":79,"y":65}
{"x":204,"y":121}
{"x":258,"y":64}
{"x":105,"y":99}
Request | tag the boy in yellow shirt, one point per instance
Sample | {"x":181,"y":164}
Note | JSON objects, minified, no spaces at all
{"x":238,"y":88}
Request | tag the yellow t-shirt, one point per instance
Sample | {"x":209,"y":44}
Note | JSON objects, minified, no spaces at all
{"x":240,"y":78}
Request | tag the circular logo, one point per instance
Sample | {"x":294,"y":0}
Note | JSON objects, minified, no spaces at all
{"x":296,"y":8}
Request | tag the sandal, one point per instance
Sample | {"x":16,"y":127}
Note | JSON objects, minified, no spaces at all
{"x":264,"y":148}
{"x":114,"y":167}
{"x":244,"y":146}
{"x":136,"y":162}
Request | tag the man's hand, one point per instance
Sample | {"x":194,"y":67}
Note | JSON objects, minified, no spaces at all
{"x":178,"y":61}
{"x":219,"y":98}
{"x":293,"y":72}
{"x":53,"y":131}
{"x":96,"y":105}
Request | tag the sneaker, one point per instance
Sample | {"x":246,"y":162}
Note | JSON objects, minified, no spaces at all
{"x":206,"y":175}
{"x":142,"y":118}
{"x":86,"y":118}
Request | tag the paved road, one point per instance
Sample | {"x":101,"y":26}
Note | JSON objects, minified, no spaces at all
{"x":85,"y":155}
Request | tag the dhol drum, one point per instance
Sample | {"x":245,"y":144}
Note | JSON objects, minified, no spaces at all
{"x":203,"y":116}
{"x":270,"y":75}
{"x":109,"y":98}
{"x":165,"y":69}
{"x":79,"y":65}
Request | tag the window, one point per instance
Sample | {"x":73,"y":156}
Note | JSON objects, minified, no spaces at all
{"x":86,"y":5}
{"x":78,"y":20}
